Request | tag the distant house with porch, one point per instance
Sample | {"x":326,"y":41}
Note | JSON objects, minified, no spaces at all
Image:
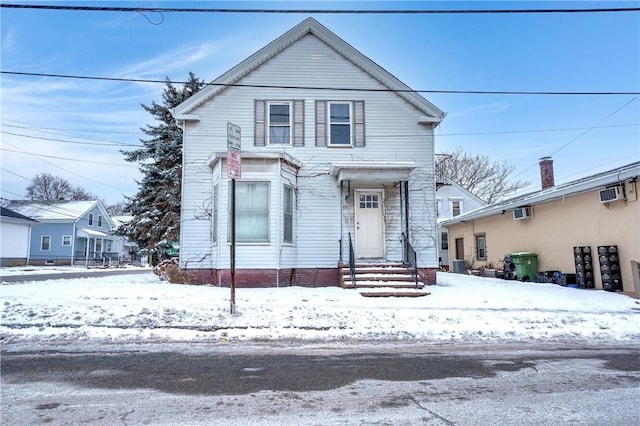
{"x":15,"y":232}
{"x":328,"y":177}
{"x":70,"y":233}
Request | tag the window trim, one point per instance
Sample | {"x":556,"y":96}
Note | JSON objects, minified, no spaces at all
{"x":269,"y":125}
{"x":482,"y":237}
{"x":99,"y":221}
{"x":460,"y":206}
{"x":63,"y":239}
{"x":290,"y":207}
{"x":330,"y":123}
{"x":444,"y":240}
{"x":90,"y":219}
{"x":249,"y":242}
{"x":48,"y":237}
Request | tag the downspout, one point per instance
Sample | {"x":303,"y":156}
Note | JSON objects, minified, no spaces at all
{"x":279,"y":235}
{"x":29,"y":245}
{"x":73,"y":244}
{"x":341,"y":219}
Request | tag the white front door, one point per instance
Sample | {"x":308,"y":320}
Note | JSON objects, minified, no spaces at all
{"x":369,"y":224}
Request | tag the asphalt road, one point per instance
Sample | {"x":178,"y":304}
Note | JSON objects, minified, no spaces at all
{"x":388,"y":385}
{"x":82,"y":273}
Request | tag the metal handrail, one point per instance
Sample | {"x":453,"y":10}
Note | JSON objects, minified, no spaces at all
{"x":410,"y":258}
{"x":352,"y":262}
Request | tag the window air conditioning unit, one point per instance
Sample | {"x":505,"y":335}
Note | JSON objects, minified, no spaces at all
{"x":611,"y":194}
{"x":522,"y":213}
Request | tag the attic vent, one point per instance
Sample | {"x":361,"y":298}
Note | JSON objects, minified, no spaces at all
{"x":609,"y":195}
{"x":522,"y":213}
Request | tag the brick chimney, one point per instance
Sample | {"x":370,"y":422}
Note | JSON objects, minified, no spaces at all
{"x":546,"y":172}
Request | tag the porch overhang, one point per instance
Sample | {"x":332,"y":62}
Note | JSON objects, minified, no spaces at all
{"x":373,"y":171}
{"x":90,"y":233}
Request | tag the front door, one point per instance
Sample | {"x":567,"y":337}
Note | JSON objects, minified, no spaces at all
{"x":369,"y":224}
{"x":460,"y":248}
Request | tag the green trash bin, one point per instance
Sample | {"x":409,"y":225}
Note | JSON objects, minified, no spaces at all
{"x":526,"y":265}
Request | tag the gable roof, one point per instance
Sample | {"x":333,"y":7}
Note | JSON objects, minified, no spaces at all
{"x":10,"y":214}
{"x":59,"y":211}
{"x":589,"y":183}
{"x":460,"y":188}
{"x":309,"y":26}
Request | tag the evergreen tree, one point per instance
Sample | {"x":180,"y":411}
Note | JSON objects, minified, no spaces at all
{"x":156,"y":206}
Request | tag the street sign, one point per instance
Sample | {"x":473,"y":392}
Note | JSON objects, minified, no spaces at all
{"x":233,"y":137}
{"x":234,"y":166}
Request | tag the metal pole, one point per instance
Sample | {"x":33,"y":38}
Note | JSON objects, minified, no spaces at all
{"x":233,"y":246}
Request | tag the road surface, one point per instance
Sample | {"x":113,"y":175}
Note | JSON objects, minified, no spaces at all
{"x":81,"y":273}
{"x":390,"y":384}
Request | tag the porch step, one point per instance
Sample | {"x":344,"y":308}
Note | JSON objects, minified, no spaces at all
{"x":379,"y":275}
{"x":394,"y":293}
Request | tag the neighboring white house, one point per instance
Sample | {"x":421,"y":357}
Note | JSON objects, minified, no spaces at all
{"x":452,"y":200}
{"x":15,"y":232}
{"x":334,"y":150}
{"x":126,"y":248}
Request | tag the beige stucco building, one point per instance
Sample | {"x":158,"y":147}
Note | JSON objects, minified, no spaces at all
{"x":600,"y":212}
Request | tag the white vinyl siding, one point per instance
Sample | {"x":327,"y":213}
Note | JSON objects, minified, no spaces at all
{"x":392,"y":133}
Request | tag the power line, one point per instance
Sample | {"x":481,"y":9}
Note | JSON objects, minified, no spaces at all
{"x":313,"y":11}
{"x":343,"y":89}
{"x":13,"y":173}
{"x":116,"y":144}
{"x":65,"y":158}
{"x":42,"y":129}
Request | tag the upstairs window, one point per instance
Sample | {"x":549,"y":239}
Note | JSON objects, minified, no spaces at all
{"x":456,"y":208}
{"x":340,"y":117}
{"x":90,"y":219}
{"x":444,"y":241}
{"x":99,"y":221}
{"x":279,"y":123}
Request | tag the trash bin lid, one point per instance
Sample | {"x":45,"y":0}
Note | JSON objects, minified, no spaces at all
{"x":524,"y":254}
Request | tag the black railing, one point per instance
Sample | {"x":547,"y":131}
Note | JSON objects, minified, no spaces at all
{"x":352,"y":262}
{"x":410,"y":258}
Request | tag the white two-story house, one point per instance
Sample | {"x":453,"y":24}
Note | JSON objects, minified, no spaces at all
{"x":337,"y":163}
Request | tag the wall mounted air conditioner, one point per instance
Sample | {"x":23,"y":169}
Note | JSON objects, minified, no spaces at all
{"x":522,"y":213}
{"x":611,"y":194}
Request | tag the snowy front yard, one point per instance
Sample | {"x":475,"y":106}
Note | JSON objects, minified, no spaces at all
{"x":460,"y":308}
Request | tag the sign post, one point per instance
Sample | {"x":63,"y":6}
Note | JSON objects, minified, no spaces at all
{"x":233,"y":173}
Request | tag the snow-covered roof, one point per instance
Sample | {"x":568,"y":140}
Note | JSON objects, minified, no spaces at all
{"x":119,"y":220}
{"x":15,"y":216}
{"x":585,"y":184}
{"x":60,"y":211}
{"x":184,"y":111}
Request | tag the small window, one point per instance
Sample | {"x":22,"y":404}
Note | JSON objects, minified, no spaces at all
{"x":444,"y":241}
{"x":456,"y":208}
{"x":340,"y":123}
{"x":287,"y":210}
{"x":99,"y":221}
{"x":279,"y":123}
{"x":368,"y":201}
{"x":214,"y":215}
{"x":66,"y":240}
{"x":45,"y":243}
{"x":481,"y":247}
{"x":90,"y":219}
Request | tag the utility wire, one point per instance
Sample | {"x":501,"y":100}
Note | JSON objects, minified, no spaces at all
{"x":344,"y":89}
{"x":68,"y":141}
{"x":13,"y":173}
{"x":64,"y":158}
{"x":312,"y":11}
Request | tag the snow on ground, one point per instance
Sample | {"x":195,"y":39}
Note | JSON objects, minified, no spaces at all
{"x":460,"y":308}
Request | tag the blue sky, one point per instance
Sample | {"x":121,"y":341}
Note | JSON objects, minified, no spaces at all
{"x":535,"y":52}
